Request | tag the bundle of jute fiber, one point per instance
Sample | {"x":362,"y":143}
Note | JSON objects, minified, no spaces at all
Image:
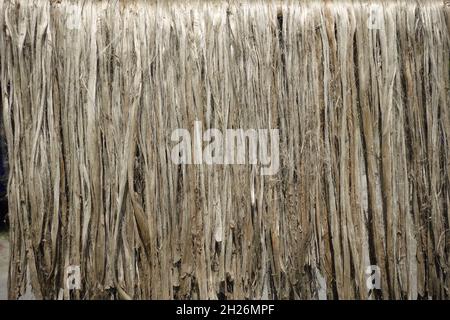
{"x":116,"y":179}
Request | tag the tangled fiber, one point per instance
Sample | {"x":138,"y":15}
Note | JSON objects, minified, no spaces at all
{"x":92,"y":90}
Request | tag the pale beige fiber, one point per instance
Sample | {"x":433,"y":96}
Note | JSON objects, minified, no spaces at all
{"x":364,"y":122}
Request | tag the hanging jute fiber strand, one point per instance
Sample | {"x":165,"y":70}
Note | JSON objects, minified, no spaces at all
{"x":349,"y":98}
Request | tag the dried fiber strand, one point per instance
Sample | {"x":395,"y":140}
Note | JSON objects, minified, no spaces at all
{"x":92,"y":90}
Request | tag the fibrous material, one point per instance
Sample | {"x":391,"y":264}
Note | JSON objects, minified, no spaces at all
{"x":91,"y":92}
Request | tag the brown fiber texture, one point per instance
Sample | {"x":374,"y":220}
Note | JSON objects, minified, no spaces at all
{"x":364,"y":127}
